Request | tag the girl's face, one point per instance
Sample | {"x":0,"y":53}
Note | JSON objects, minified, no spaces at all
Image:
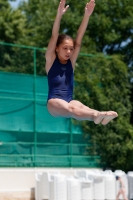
{"x":65,"y":50}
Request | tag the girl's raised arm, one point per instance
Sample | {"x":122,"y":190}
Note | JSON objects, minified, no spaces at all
{"x":80,"y":33}
{"x":55,"y":31}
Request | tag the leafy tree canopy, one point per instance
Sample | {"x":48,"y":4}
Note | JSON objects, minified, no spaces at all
{"x":102,"y":84}
{"x":12,"y":23}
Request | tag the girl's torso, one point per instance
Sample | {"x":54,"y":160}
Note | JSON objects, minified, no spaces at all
{"x":60,"y":80}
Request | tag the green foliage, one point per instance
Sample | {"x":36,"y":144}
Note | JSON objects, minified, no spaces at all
{"x":40,"y":18}
{"x":12,"y":30}
{"x":12,"y":23}
{"x":102,"y":84}
{"x":22,"y":60}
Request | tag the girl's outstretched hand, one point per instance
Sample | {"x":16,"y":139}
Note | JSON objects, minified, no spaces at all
{"x":90,"y":7}
{"x":61,"y":8}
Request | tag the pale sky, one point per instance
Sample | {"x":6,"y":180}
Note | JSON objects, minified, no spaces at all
{"x":15,"y":4}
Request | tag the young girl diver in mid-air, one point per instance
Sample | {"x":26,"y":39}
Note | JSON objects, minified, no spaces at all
{"x":61,"y":56}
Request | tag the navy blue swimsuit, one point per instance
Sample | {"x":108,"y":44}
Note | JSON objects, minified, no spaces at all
{"x":60,"y":81}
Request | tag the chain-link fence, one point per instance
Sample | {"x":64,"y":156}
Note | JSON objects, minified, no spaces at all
{"x":29,"y":135}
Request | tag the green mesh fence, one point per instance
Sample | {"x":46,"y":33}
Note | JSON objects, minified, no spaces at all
{"x":29,"y":135}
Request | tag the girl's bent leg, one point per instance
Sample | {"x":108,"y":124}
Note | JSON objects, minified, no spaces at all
{"x":75,"y":109}
{"x":59,"y":107}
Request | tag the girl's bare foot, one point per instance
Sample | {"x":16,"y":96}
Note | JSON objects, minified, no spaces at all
{"x":99,"y":117}
{"x":109,"y":116}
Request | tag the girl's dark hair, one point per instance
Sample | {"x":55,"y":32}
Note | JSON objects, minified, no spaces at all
{"x":63,"y":37}
{"x":117,"y":177}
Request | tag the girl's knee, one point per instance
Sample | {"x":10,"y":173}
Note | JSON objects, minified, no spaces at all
{"x":74,"y":111}
{"x":77,"y":104}
{"x":70,"y":108}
